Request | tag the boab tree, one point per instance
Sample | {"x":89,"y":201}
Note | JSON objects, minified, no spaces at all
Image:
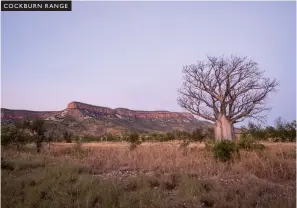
{"x":225,"y":91}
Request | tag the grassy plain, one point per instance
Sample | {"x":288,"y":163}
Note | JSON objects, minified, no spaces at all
{"x":153,"y":175}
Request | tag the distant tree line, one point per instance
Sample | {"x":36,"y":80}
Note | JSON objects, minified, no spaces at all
{"x":22,"y":132}
{"x":198,"y":135}
{"x":19,"y":133}
{"x":282,"y":131}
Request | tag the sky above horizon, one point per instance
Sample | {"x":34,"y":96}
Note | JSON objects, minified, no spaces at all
{"x":130,"y":54}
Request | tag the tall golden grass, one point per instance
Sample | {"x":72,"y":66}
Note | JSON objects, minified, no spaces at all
{"x":277,"y":163}
{"x":152,"y":175}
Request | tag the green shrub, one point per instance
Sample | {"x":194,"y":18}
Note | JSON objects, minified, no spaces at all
{"x":17,"y":133}
{"x":224,"y":150}
{"x":134,"y":140}
{"x":256,"y":131}
{"x":14,"y":135}
{"x":38,"y":131}
{"x":291,"y":131}
{"x":270,"y":132}
{"x":198,"y":135}
{"x":285,"y":131}
{"x":246,"y":142}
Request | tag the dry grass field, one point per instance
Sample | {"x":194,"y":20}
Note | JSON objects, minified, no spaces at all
{"x":152,"y":175}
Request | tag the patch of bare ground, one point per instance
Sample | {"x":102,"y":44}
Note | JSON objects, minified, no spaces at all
{"x":153,"y":175}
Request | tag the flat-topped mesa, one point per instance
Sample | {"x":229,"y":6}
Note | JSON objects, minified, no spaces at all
{"x":92,"y":108}
{"x":127,"y":112}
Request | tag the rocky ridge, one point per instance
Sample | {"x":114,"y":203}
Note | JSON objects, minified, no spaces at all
{"x":88,"y":119}
{"x":126,"y":112}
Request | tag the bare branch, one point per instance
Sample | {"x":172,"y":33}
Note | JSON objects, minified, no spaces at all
{"x":234,"y":87}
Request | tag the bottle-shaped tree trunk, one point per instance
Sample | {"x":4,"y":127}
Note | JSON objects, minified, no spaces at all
{"x":224,"y":129}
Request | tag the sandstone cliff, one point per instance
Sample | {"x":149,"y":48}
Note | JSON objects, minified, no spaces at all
{"x":127,"y":112}
{"x":83,"y":119}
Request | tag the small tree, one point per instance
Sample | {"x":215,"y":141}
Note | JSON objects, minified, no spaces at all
{"x":256,"y":131}
{"x":247,"y":142}
{"x":13,"y":135}
{"x":225,"y":91}
{"x":37,"y":130}
{"x":285,"y":131}
{"x":133,"y":139}
{"x":51,"y":135}
{"x":291,"y":131}
{"x":270,"y":132}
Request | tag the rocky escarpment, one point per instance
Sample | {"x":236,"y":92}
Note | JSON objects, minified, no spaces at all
{"x":128,"y":113}
{"x":82,"y":119}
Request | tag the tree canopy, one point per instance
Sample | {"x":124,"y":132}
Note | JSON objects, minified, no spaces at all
{"x":234,"y":87}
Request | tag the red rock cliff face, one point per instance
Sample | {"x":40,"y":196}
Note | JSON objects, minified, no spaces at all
{"x":83,"y":106}
{"x":127,"y":112}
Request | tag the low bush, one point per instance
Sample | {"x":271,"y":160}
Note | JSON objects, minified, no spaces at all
{"x":14,"y":135}
{"x":134,"y":140}
{"x":224,"y":150}
{"x":246,"y":142}
{"x":256,"y":131}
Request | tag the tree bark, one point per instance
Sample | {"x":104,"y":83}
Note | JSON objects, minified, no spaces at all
{"x":224,"y":129}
